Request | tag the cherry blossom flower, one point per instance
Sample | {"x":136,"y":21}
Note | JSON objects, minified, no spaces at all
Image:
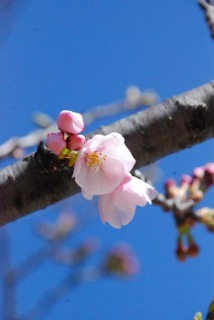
{"x":102,"y":167}
{"x":70,"y":122}
{"x":102,"y":163}
{"x":118,"y":208}
{"x":55,"y":142}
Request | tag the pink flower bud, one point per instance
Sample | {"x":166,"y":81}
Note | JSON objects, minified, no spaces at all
{"x":121,"y":262}
{"x":186,"y":179}
{"x":198,"y":172}
{"x":181,"y":252}
{"x":197,"y":195}
{"x":169,"y":183}
{"x":172,"y":191}
{"x":70,"y":122}
{"x":209,"y":174}
{"x":75,"y":142}
{"x":192,"y":250}
{"x":55,"y":142}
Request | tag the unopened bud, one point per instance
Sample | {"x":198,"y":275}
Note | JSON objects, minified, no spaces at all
{"x":55,"y":142}
{"x":198,"y":172}
{"x":120,"y":261}
{"x":171,"y":188}
{"x":192,"y":250}
{"x":197,"y":195}
{"x":186,"y":179}
{"x":181,"y":252}
{"x":206,"y":216}
{"x":209,"y":174}
{"x":70,"y":122}
{"x":75,"y":142}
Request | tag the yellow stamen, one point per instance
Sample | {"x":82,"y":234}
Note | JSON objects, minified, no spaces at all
{"x":94,"y":160}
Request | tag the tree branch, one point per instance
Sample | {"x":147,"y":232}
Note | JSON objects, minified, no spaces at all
{"x":41,"y":179}
{"x":208,"y":8}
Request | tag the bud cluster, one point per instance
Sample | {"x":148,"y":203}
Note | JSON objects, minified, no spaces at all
{"x":191,"y":187}
{"x":181,"y":199}
{"x":67,"y":141}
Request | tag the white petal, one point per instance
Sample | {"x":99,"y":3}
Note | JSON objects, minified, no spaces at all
{"x":101,"y":181}
{"x":105,"y":206}
{"x":86,"y":194}
{"x":113,"y":215}
{"x":120,"y":218}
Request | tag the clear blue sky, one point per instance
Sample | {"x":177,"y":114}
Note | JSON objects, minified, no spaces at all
{"x":78,"y":54}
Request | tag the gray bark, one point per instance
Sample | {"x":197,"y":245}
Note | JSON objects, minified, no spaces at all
{"x":41,"y":179}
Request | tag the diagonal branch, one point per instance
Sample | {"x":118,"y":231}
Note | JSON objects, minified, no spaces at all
{"x":208,"y":8}
{"x":41,"y":179}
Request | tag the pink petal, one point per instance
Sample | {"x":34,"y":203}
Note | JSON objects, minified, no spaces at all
{"x":124,"y":155}
{"x":86,"y":194}
{"x":77,"y":166}
{"x":102,"y":181}
{"x":113,"y":215}
{"x":120,"y":218}
{"x":105,"y":205}
{"x":111,"y":141}
{"x":139,"y":192}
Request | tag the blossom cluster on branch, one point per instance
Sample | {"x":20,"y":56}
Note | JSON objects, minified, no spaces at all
{"x":182,"y":198}
{"x":102,"y":168}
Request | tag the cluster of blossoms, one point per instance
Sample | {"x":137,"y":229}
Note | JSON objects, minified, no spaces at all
{"x":192,"y":187}
{"x":102,"y":168}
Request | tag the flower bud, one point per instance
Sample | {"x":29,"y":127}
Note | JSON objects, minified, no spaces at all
{"x":197,"y":195}
{"x":193,"y":250}
{"x":209,"y":174}
{"x":206,"y":216}
{"x":181,"y":252}
{"x":186,"y":179}
{"x":120,"y":261}
{"x":171,"y":188}
{"x":198,"y":172}
{"x":75,"y":142}
{"x":65,"y":224}
{"x":169,"y":183}
{"x":70,"y":122}
{"x":55,"y":142}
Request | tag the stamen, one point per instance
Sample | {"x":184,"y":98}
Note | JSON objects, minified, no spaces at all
{"x":94,"y":160}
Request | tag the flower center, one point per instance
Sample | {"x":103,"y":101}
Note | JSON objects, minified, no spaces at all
{"x":94,"y":160}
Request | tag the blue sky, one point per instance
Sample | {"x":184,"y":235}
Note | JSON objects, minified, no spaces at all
{"x":75,"y":55}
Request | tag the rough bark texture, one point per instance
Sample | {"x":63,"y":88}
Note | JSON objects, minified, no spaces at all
{"x":41,"y":179}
